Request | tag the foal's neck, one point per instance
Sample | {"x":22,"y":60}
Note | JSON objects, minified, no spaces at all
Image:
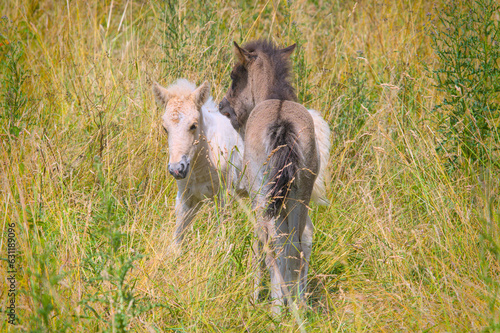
{"x":282,"y":91}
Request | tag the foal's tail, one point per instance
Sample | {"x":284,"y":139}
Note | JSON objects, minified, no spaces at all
{"x":283,"y":163}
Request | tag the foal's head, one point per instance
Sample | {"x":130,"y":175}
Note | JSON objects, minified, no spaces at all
{"x":261,"y":72}
{"x":182,"y":102}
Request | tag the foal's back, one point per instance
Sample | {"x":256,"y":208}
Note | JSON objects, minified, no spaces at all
{"x":295,"y":119}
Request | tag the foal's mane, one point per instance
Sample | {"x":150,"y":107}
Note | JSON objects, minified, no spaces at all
{"x":282,"y":88}
{"x":181,"y":87}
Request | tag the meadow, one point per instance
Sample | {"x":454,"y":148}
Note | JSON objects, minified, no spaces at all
{"x":409,"y":243}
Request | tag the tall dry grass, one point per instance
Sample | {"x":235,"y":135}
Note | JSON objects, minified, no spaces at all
{"x":406,"y":244}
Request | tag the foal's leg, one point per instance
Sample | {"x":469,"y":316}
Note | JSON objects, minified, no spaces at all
{"x":299,"y":248}
{"x":306,"y":241}
{"x":260,"y":250}
{"x":259,"y":265}
{"x":276,"y":259}
{"x":224,"y":200}
{"x":186,"y":208}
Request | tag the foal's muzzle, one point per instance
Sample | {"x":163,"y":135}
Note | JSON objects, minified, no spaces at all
{"x":180,"y":169}
{"x":226,"y":110}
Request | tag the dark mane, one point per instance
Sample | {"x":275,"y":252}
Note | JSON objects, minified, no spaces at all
{"x":282,"y":89}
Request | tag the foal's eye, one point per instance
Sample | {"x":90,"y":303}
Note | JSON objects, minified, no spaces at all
{"x":165,"y":130}
{"x":193,"y":127}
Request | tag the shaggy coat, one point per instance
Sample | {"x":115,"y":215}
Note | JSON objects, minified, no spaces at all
{"x":205,"y":152}
{"x":282,"y":161}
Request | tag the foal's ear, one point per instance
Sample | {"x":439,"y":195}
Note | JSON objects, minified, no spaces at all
{"x":287,"y":51}
{"x":243,"y":55}
{"x":161,"y":94}
{"x":201,"y":94}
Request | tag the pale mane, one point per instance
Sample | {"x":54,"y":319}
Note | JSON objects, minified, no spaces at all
{"x":181,"y":88}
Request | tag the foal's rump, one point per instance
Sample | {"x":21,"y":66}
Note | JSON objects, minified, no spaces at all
{"x":282,"y":152}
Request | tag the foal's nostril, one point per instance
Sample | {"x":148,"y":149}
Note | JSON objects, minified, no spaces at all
{"x":223,"y":108}
{"x":183,"y":166}
{"x":223,"y":104}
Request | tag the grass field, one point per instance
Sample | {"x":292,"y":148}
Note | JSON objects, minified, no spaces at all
{"x":410,"y":242}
